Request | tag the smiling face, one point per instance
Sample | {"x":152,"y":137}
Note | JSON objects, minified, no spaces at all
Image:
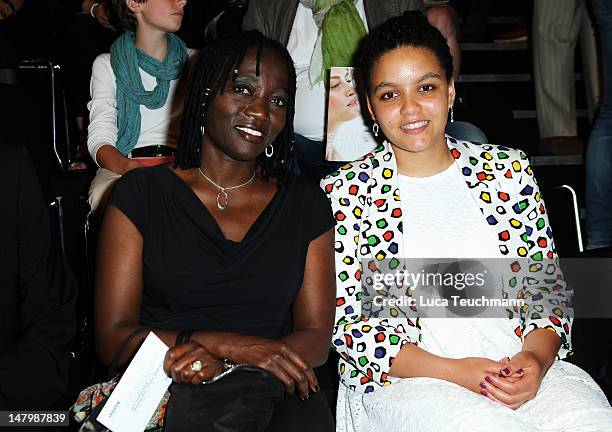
{"x":409,"y":96}
{"x":162,"y":15}
{"x":343,"y":100}
{"x":252,"y":110}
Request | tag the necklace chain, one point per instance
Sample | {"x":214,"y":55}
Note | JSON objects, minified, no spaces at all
{"x":230,"y":187}
{"x":222,"y":197}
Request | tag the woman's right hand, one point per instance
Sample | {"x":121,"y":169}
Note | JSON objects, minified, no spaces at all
{"x":109,"y":157}
{"x":179,"y":359}
{"x":470,"y":372}
{"x":278,"y":359}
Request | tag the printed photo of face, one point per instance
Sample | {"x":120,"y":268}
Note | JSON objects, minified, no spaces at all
{"x":343,"y":98}
{"x":348,"y":138}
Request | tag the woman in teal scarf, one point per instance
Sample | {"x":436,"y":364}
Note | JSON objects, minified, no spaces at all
{"x":136,"y":93}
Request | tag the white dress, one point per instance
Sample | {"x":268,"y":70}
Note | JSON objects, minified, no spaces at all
{"x":568,"y":399}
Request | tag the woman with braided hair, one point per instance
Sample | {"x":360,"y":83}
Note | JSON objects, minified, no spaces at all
{"x":227,"y":248}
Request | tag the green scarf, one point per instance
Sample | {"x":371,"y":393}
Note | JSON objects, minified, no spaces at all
{"x":340,"y":31}
{"x":126,"y":60}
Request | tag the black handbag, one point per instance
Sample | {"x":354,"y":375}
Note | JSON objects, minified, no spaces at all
{"x":241,"y":399}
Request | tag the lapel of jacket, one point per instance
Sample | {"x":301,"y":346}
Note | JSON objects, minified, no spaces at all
{"x":489,"y":174}
{"x":382,"y":227}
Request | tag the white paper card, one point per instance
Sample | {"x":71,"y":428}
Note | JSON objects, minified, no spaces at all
{"x":141,"y":388}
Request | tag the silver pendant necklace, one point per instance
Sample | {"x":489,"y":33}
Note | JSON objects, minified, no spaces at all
{"x":222,"y":197}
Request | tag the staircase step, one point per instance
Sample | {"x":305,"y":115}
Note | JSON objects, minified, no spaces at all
{"x":531,"y":114}
{"x":556,"y":160}
{"x":495,"y":46}
{"x":504,"y":20}
{"x":502,"y":77}
{"x":516,"y":77}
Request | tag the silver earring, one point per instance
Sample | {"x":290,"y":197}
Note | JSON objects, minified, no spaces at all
{"x":269,"y":151}
{"x":375,"y":129}
{"x":451,"y":113}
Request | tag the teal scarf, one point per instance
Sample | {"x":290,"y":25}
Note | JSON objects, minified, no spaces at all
{"x":125,"y":60}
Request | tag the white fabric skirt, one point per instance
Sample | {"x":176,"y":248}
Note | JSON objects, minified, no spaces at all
{"x":568,"y":400}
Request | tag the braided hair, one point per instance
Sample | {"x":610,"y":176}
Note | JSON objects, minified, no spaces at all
{"x":209,"y":76}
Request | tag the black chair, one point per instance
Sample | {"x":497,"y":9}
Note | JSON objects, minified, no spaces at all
{"x":55,"y":138}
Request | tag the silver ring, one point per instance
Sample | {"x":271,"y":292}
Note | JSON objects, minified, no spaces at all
{"x":196,"y":366}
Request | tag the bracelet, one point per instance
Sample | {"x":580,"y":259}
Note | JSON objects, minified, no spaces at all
{"x":91,"y":10}
{"x":11,"y":5}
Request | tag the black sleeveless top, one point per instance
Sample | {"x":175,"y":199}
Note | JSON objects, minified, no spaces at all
{"x":195,"y":278}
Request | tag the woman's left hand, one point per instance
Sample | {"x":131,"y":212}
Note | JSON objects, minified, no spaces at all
{"x":510,"y":391}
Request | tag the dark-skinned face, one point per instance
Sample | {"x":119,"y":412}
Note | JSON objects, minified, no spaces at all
{"x":252,"y":110}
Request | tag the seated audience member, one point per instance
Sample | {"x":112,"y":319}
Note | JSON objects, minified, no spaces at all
{"x":422,"y":194}
{"x":38,"y":293}
{"x":228,"y":244}
{"x":136,"y":95}
{"x":318,"y":35}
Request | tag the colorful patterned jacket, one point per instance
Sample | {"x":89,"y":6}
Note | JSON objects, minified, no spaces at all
{"x":366,"y":204}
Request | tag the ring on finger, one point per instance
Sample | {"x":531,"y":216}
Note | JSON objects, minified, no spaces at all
{"x":196,"y":366}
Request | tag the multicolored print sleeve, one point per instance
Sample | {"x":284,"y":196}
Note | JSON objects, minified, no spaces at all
{"x":543,"y":286}
{"x":367,"y":347}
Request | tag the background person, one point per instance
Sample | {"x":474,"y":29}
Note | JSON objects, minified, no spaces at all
{"x":557,"y":26}
{"x":599,"y":151}
{"x":136,"y":96}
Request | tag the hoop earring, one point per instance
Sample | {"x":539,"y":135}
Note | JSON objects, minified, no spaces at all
{"x":269,"y":151}
{"x":451,"y":113}
{"x":375,"y":129}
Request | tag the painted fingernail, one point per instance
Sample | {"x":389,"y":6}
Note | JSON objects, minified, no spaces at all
{"x":520,"y":371}
{"x":483,"y":385}
{"x":489,"y":379}
{"x":484,"y":392}
{"x":506,"y":371}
